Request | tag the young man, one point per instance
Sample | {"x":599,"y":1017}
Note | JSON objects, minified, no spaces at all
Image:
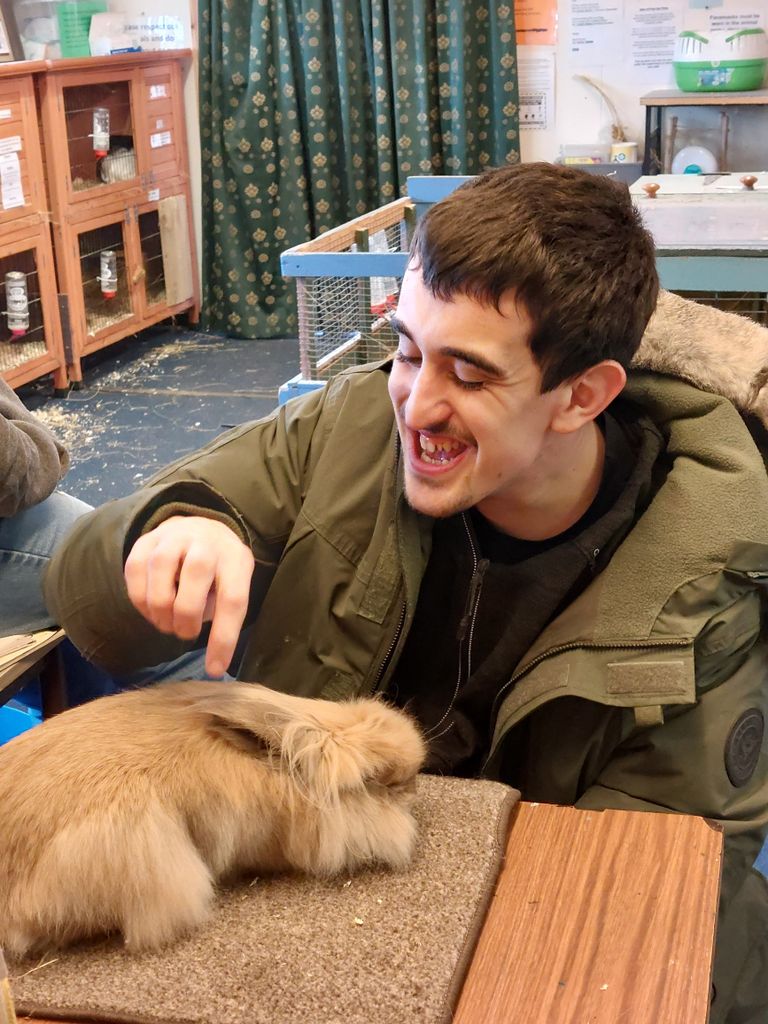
{"x":560,"y":573}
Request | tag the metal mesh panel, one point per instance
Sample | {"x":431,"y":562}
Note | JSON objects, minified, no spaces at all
{"x":750,"y":304}
{"x":31,"y":345}
{"x":102,"y":309}
{"x":342,"y":321}
{"x":87,"y":168}
{"x":152,"y":257}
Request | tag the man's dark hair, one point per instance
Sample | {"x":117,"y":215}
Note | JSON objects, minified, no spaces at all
{"x":570,"y":245}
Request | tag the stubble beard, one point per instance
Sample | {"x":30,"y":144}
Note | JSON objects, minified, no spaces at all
{"x":441,"y":505}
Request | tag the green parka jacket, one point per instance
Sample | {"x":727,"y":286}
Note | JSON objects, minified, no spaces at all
{"x":647,"y":693}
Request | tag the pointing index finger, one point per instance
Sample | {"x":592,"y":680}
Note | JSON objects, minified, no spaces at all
{"x":233,"y":584}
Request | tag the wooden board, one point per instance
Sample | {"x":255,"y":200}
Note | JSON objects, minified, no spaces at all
{"x":600,"y":916}
{"x":177,"y":249}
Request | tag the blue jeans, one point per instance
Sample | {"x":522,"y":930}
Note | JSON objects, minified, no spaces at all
{"x":27,"y":541}
{"x":86,"y":681}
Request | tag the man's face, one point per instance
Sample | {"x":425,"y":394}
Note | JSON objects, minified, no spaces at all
{"x":474,"y":426}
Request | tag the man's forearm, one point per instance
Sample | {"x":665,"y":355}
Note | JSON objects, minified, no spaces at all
{"x":85,"y":590}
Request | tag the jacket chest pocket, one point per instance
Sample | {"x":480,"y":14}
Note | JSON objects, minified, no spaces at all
{"x":726,"y":640}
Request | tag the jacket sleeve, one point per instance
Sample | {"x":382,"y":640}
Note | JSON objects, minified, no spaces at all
{"x":252,"y":478}
{"x":33,"y":461}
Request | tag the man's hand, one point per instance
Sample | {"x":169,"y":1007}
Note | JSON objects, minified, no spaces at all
{"x":190,"y":570}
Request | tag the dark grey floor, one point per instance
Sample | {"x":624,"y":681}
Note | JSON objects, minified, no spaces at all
{"x":151,"y":398}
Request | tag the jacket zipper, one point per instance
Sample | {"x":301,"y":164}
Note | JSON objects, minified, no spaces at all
{"x":479,"y":567}
{"x":467,"y":622}
{"x":390,"y":650}
{"x":403,"y":608}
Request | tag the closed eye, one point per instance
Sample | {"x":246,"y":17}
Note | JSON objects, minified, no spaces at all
{"x":469,"y":385}
{"x":401,"y":357}
{"x":465,"y":385}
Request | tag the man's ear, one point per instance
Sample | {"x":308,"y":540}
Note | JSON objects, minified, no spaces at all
{"x":587,"y":395}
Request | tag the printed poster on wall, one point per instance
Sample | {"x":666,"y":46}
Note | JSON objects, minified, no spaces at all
{"x":536,"y":82}
{"x":735,"y":20}
{"x":653,"y":29}
{"x":536,"y":22}
{"x":596,"y":32}
{"x":641,"y":33}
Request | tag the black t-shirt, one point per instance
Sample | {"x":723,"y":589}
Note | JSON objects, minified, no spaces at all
{"x":619,"y":460}
{"x":486,"y":596}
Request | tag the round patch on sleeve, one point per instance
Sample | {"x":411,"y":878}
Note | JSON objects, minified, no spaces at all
{"x":742,"y":748}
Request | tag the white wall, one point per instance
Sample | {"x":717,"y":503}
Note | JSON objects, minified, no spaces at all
{"x":581,"y":116}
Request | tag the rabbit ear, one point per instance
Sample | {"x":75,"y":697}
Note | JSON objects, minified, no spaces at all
{"x":248,"y":716}
{"x":243,"y":739}
{"x":307,"y":736}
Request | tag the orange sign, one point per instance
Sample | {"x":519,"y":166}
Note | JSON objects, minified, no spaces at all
{"x":536,"y":22}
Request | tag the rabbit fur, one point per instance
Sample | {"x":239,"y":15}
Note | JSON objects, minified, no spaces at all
{"x":118,"y":165}
{"x":122,"y":814}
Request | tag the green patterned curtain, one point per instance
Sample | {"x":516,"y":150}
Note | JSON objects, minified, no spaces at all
{"x":315,"y":111}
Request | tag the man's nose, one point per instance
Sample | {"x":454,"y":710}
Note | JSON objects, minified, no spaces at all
{"x":427,"y":404}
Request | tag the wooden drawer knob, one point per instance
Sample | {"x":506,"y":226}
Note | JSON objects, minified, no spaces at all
{"x":651,"y":189}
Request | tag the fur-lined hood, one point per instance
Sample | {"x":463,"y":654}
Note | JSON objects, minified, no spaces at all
{"x":716,"y":351}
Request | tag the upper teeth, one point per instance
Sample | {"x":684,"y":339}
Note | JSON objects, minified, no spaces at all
{"x":437,"y":446}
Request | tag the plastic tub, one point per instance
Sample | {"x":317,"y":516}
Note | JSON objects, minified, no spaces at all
{"x":721,"y":60}
{"x":700,"y":211}
{"x":585,"y":153}
{"x":15,"y":719}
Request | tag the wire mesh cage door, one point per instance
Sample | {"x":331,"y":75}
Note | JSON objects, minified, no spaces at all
{"x":339,"y":325}
{"x":99,"y":127}
{"x":343,"y":321}
{"x":22,"y":326}
{"x":152,"y":271}
{"x":106,"y":285}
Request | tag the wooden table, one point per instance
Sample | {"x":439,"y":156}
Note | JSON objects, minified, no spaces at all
{"x":600,"y":917}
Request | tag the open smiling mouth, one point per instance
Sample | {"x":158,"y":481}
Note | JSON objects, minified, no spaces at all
{"x":439,"y":452}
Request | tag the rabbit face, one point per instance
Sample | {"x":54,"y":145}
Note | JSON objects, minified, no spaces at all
{"x":133,"y":806}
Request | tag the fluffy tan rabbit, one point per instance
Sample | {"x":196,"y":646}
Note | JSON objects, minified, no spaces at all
{"x":121,"y":815}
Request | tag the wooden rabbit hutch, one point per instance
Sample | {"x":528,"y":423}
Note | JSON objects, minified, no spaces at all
{"x":118,"y":181}
{"x":30,"y":328}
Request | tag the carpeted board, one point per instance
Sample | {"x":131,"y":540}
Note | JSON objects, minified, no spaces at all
{"x":386,"y":947}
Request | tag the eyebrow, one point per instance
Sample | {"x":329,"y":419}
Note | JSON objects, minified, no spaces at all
{"x":469,"y":358}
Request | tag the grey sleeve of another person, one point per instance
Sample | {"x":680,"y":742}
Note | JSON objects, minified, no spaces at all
{"x":32,"y":461}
